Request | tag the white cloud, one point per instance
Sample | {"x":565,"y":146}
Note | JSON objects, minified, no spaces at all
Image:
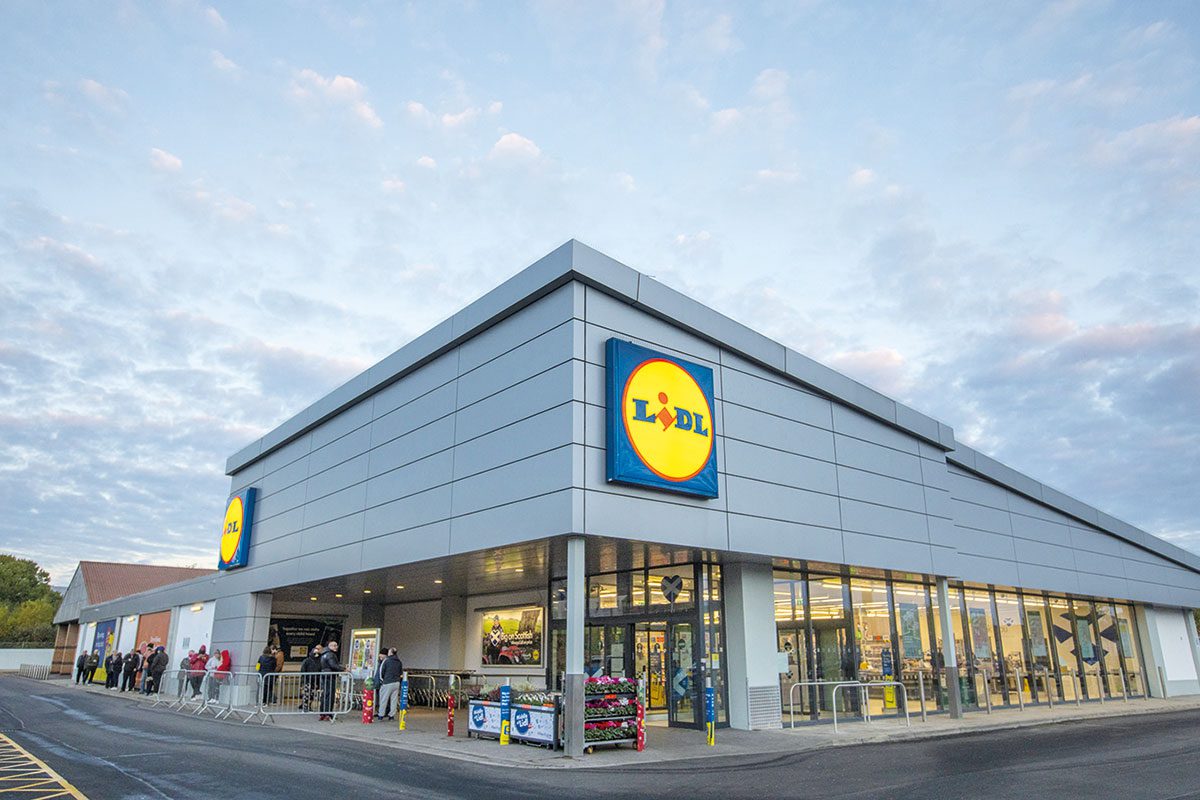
{"x":163,"y":161}
{"x":862,"y":177}
{"x":427,"y":162}
{"x":215,"y":19}
{"x":339,"y":90}
{"x":726,"y":118}
{"x":495,"y":107}
{"x":463,"y":117}
{"x":107,"y":97}
{"x":221,"y":62}
{"x":1169,"y":143}
{"x":777,"y":175}
{"x":515,"y":147}
{"x":770,"y":84}
{"x":693,"y":97}
{"x":418,"y":111}
{"x":392,"y":185}
{"x":626,"y":182}
{"x":719,"y":37}
{"x":689,"y":239}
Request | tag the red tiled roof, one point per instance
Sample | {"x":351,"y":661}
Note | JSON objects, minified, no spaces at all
{"x":107,"y":580}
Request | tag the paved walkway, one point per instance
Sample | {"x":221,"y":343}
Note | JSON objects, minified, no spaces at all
{"x":426,"y":732}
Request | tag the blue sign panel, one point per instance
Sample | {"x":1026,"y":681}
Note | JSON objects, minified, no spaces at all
{"x":235,"y":535}
{"x":661,"y":431}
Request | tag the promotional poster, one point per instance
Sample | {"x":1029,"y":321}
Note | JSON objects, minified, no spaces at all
{"x":513,"y":636}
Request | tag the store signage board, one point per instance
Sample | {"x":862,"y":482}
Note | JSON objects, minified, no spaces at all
{"x":528,"y":723}
{"x":235,"y":535}
{"x":661,"y":431}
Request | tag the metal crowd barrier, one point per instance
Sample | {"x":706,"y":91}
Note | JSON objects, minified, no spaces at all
{"x":38,"y":672}
{"x":329,"y":693}
{"x":441,"y":687}
{"x":236,"y":693}
{"x":865,"y":690}
{"x":794,"y":686}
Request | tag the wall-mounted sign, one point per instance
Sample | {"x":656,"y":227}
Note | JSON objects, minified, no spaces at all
{"x":235,"y":536}
{"x":661,"y":431}
{"x":513,"y":636}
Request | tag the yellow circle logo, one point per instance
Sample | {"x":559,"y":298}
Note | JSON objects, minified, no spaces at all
{"x":668,"y":419}
{"x":231,"y":537}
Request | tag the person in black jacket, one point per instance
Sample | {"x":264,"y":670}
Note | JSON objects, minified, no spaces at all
{"x":389,"y":685}
{"x":81,"y":666}
{"x":112,"y":670}
{"x":310,"y":680}
{"x":155,"y":666}
{"x":329,"y":666}
{"x":129,"y":668}
{"x":93,"y":664}
{"x":266,"y":667}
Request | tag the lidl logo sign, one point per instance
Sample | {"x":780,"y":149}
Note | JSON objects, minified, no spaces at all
{"x":660,"y":421}
{"x":235,"y":536}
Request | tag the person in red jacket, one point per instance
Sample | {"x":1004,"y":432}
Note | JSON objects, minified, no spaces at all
{"x":196,"y":669}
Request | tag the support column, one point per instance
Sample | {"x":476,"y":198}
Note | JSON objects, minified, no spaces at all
{"x":240,"y":625}
{"x":751,"y":644}
{"x":949,"y":659}
{"x":573,"y":681}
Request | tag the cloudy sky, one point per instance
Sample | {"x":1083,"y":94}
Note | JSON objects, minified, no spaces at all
{"x":210,"y":215}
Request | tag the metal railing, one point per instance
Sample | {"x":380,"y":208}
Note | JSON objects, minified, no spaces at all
{"x":441,"y":686}
{"x":38,"y":672}
{"x":794,"y":686}
{"x":865,"y":690}
{"x":326,"y":693}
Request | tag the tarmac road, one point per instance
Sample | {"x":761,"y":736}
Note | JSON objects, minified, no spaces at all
{"x":112,"y":750}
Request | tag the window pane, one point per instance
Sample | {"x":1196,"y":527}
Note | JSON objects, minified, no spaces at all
{"x":1127,"y":637}
{"x":1062,"y":628}
{"x":665,"y":581}
{"x":982,"y":656}
{"x":1012,"y":642}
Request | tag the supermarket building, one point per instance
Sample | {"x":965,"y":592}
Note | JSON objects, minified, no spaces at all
{"x":514,"y":493}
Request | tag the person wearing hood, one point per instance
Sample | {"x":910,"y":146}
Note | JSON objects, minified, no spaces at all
{"x":310,"y":679}
{"x":265,"y":667}
{"x":196,"y":666}
{"x":329,"y":666}
{"x":80,"y":666}
{"x":133,"y":662}
{"x":155,"y":666}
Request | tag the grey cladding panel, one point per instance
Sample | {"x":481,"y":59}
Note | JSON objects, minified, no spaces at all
{"x":1040,"y":530}
{"x":873,"y":488}
{"x":756,"y":427}
{"x":284,"y":477}
{"x":440,"y":371}
{"x":1043,"y":554}
{"x":276,"y":503}
{"x":535,"y":475}
{"x":339,"y":504}
{"x":615,"y":318}
{"x":597,"y":479}
{"x":937,"y":503}
{"x":545,"y":431}
{"x":413,"y":446}
{"x":854,"y":423}
{"x":337,"y":478}
{"x":418,"y":476}
{"x":282,"y":524}
{"x":539,"y":393}
{"x":530,"y":322}
{"x":784,"y":539}
{"x":754,"y":392}
{"x":548,"y":350}
{"x":333,"y":533}
{"x":329,"y":563}
{"x":421,"y":411}
{"x":881,"y":551}
{"x":1034,"y":576}
{"x":884,"y":521}
{"x":629,"y":517}
{"x":979,"y":492}
{"x":412,"y":511}
{"x":988,"y":570}
{"x":983,"y":543}
{"x":983,"y":518}
{"x":347,"y":447}
{"x":353,"y":417}
{"x":767,"y":464}
{"x":876,"y":458}
{"x":781,"y":502}
{"x":534,"y":518}
{"x":402,"y":547}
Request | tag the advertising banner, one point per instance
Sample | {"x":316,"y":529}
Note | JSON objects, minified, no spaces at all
{"x":980,"y":632}
{"x":910,"y":631}
{"x":297,"y":637}
{"x":102,"y":643}
{"x":484,"y":718}
{"x":1037,"y":635}
{"x":533,"y":724}
{"x":1083,"y":638}
{"x":364,"y":649}
{"x":513,"y":636}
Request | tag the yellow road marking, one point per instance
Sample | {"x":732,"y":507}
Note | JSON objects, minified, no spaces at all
{"x":23,"y":773}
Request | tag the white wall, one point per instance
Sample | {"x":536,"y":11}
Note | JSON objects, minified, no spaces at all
{"x":1176,"y":646}
{"x":127,"y":634}
{"x":192,"y":628}
{"x":415,"y":630}
{"x":750,"y":642}
{"x":476,"y":608}
{"x":11,"y":659}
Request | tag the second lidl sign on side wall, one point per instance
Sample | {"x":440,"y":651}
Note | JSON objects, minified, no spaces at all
{"x":661,"y":431}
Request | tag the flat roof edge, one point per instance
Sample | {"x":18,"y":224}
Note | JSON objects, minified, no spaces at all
{"x":971,"y":459}
{"x":575,"y":261}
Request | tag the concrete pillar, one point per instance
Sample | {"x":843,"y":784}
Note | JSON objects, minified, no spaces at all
{"x":452,"y":640}
{"x":751,"y":642}
{"x":240,"y":625}
{"x":949,"y":657}
{"x":573,"y":682}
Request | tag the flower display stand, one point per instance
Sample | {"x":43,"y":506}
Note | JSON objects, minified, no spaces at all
{"x":612,"y":713}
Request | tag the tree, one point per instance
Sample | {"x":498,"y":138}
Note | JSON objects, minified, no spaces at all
{"x":27,"y":603}
{"x":22,"y":579}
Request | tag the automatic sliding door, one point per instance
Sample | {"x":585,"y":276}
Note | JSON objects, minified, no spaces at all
{"x":682,"y":693}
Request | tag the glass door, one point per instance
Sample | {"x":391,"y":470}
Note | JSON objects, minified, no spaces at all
{"x":650,"y":654}
{"x":792,"y":641}
{"x":682,"y":691}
